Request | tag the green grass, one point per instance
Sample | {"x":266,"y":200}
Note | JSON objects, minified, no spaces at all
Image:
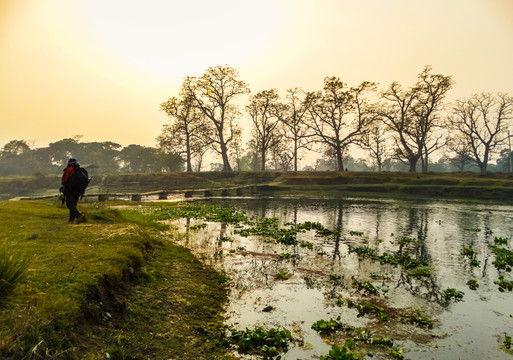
{"x":108,"y":286}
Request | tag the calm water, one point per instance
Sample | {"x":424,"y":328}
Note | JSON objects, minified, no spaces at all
{"x":471,"y":329}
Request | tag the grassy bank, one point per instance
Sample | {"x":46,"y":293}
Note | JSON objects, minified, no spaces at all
{"x":109,"y":288}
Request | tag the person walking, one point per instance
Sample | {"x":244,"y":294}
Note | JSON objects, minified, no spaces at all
{"x":71,"y":196}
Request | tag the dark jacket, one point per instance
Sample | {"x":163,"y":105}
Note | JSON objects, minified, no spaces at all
{"x":67,"y":173}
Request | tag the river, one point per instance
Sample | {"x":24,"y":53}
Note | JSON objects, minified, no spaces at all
{"x":284,"y":286}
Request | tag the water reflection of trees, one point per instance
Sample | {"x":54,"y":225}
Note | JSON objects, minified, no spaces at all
{"x":387,"y":221}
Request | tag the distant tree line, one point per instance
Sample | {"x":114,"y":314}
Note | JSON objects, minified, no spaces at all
{"x":398,"y":127}
{"x":16,"y":157}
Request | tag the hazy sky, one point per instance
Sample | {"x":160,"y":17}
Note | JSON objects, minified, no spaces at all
{"x":100,"y":68}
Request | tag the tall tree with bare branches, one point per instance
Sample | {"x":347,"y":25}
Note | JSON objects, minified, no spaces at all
{"x":187,"y":132}
{"x":339,"y":116}
{"x":482,"y":123}
{"x":213,"y":94}
{"x":412,"y":115}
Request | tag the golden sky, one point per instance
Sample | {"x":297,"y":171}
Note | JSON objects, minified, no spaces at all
{"x":101,"y":68}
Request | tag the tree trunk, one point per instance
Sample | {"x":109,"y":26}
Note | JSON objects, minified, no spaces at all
{"x":413,"y":164}
{"x":226,"y":162}
{"x":188,"y":160}
{"x":262,"y":160}
{"x":295,"y":155}
{"x":340,"y":163}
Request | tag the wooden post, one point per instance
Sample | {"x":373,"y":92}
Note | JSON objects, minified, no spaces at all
{"x":188,"y":194}
{"x":163,"y":195}
{"x":136,"y":197}
{"x":239,"y":192}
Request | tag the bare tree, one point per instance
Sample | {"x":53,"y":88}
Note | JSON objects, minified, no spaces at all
{"x":293,"y":121}
{"x":187,"y":132}
{"x":265,"y":111}
{"x":432,"y":90}
{"x":339,"y":116}
{"x":463,"y":153}
{"x":482,"y":122}
{"x":375,"y":141}
{"x":412,"y":115}
{"x":213,"y":94}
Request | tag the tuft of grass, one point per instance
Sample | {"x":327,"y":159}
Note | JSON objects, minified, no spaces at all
{"x":12,"y":269}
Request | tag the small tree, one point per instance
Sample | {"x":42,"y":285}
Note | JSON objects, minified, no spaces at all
{"x":375,"y":141}
{"x":293,"y":120}
{"x":265,"y":112}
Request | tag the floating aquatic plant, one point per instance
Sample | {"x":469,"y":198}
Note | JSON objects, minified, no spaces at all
{"x":405,"y":240}
{"x":500,"y":241}
{"x":327,"y":326}
{"x":339,"y":353}
{"x":420,"y":272}
{"x":504,"y":284}
{"x":366,"y":307}
{"x":282,"y":275}
{"x":472,"y":284}
{"x":367,"y":286}
{"x":419,"y":319}
{"x":503,"y":259}
{"x":259,"y":341}
{"x":452,"y":293}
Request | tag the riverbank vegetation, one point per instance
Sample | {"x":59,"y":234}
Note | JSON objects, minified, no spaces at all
{"x":498,"y":186}
{"x":109,"y":288}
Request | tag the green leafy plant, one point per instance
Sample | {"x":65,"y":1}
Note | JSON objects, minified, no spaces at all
{"x":507,"y":342}
{"x":467,"y":251}
{"x":397,"y":353}
{"x":367,"y":286}
{"x":452,"y":293}
{"x":420,"y":272}
{"x":307,"y":244}
{"x":282,"y":275}
{"x":500,"y":241}
{"x":472,"y":284}
{"x":367,"y":307}
{"x":504,"y":284}
{"x":260,"y":341}
{"x":474,"y":262}
{"x":405,"y":240}
{"x":339,"y":353}
{"x":287,"y":256}
{"x":503,"y":259}
{"x":363,"y":251}
{"x":419,"y":319}
{"x":335,"y":277}
{"x":199,"y":226}
{"x":327,"y":326}
{"x":355,"y":233}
